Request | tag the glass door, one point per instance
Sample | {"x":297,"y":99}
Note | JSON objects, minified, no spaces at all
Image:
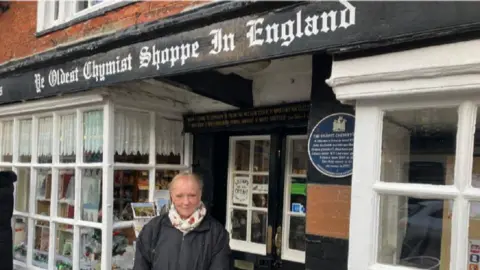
{"x":267,"y":188}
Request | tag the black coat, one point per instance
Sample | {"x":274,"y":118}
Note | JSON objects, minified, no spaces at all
{"x":6,"y":211}
{"x":160,"y":246}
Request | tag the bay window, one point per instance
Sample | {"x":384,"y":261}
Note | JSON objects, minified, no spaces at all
{"x":72,"y":163}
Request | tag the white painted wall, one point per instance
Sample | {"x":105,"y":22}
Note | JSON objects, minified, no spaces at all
{"x":283,"y":81}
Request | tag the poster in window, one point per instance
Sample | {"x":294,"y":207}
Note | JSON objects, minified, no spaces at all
{"x":473,"y":254}
{"x":241,"y":186}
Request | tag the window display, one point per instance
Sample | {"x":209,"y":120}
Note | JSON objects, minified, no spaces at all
{"x":22,"y":197}
{"x":20,"y":237}
{"x":41,"y":243}
{"x":66,"y":193}
{"x":129,"y":186}
{"x":44,"y":188}
{"x":91,"y":195}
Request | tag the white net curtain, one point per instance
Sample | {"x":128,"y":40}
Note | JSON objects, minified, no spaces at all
{"x":25,"y":146}
{"x":45,"y":136}
{"x":7,"y":142}
{"x":132,"y":134}
{"x":93,"y":132}
{"x":67,"y":135}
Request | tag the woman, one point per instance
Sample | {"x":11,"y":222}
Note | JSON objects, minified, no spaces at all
{"x":185,"y":238}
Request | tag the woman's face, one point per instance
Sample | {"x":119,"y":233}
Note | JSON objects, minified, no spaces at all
{"x":186,"y":196}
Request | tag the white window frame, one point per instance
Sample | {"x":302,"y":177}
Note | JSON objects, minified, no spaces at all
{"x":78,"y":104}
{"x":244,"y":246}
{"x":288,"y":253}
{"x":367,"y":186}
{"x":66,"y":12}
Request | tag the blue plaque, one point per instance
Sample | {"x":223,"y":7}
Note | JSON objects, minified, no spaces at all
{"x":330,"y":145}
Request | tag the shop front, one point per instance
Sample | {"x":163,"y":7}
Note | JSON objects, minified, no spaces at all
{"x":244,"y":103}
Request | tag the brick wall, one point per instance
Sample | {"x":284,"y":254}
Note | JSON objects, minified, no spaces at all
{"x":18,"y":25}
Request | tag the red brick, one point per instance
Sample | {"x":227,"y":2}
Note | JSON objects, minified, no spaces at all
{"x":22,"y":16}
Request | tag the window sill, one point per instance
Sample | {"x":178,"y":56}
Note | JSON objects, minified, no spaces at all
{"x":85,"y":17}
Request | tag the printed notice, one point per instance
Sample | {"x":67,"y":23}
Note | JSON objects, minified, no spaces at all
{"x":240,"y":190}
{"x":330,"y":145}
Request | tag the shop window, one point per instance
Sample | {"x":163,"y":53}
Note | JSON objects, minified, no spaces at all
{"x":66,"y":193}
{"x":123,"y":248}
{"x":7,"y":141}
{"x":41,"y":242}
{"x":67,"y":138}
{"x":22,"y":190}
{"x":20,"y":233}
{"x":132,"y":136}
{"x":44,"y":191}
{"x":295,"y":199}
{"x":93,"y":136}
{"x":130,"y":186}
{"x":64,"y":246}
{"x":169,"y":141}
{"x":44,"y":139}
{"x":90,"y":248}
{"x":91,"y":195}
{"x":25,"y":144}
{"x":248,"y":193}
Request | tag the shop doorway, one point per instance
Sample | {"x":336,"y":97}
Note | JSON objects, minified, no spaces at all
{"x":266,"y":200}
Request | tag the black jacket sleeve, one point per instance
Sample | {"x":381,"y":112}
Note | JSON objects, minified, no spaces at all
{"x":143,"y":249}
{"x":222,"y":257}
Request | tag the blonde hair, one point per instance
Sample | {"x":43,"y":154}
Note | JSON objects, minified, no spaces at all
{"x":189,"y":175}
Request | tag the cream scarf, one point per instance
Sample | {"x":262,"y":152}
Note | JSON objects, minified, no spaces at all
{"x":187,"y":225}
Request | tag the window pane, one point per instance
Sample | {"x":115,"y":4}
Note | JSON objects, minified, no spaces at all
{"x":299,"y":157}
{"x":93,"y":136}
{"x":66,"y":193}
{"x":130,"y":186}
{"x":163,"y":178}
{"x":25,"y":143}
{"x":41,"y":243}
{"x":20,"y":229}
{"x":259,"y":227}
{"x":44,"y":140}
{"x":473,"y":260}
{"x":67,"y":140}
{"x":7,"y":141}
{"x":132,"y":137}
{"x":44,"y":189}
{"x":242,"y":155}
{"x":296,"y":237}
{"x":298,"y":195}
{"x":22,"y":192}
{"x":91,"y":195}
{"x":261,"y":157}
{"x":81,"y":5}
{"x":169,"y":140}
{"x":241,"y":190}
{"x":90,"y":248}
{"x":239,"y":225}
{"x":418,"y":146}
{"x":64,"y":246}
{"x":123,"y":248}
{"x":260,"y":191}
{"x":414,"y":232}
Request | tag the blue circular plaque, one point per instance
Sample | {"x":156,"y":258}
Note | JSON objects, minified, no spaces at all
{"x":330,"y":145}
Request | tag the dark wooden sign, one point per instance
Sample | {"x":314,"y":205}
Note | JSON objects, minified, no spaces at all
{"x":295,"y":114}
{"x":302,"y":28}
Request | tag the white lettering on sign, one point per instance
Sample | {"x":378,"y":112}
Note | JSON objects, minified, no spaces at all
{"x":57,"y":77}
{"x":288,"y":31}
{"x":222,"y":42}
{"x":259,"y":31}
{"x":39,"y":83}
{"x":171,"y":55}
{"x":92,"y":69}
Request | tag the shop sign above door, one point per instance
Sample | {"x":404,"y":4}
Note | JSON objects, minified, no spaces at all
{"x":330,"y":145}
{"x":249,"y":38}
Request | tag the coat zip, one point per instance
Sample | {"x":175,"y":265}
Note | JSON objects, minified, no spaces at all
{"x":180,"y":255}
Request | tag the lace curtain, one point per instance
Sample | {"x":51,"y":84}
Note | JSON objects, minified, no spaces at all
{"x":25,"y":146}
{"x":169,"y":138}
{"x":93,"y":131}
{"x":45,"y":136}
{"x":67,"y":134}
{"x":7,"y":142}
{"x":132,"y":132}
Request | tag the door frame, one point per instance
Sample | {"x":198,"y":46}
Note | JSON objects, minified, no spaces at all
{"x":275,"y":217}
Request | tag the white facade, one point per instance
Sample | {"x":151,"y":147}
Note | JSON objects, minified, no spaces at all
{"x":428,"y":93}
